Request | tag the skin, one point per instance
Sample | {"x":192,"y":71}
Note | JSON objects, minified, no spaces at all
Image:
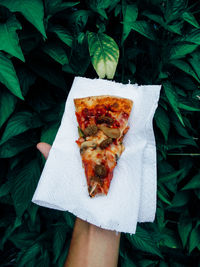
{"x":90,"y":245}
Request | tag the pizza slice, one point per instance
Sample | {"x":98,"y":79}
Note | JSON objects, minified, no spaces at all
{"x":103,"y":122}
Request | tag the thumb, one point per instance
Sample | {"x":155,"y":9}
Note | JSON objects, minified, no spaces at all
{"x":44,"y":148}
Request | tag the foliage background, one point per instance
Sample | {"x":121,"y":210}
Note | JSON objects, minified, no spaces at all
{"x":43,"y":46}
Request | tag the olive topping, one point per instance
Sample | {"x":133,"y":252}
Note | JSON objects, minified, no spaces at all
{"x":105,"y":119}
{"x":105,"y":143}
{"x":90,"y":130}
{"x":100,"y":170}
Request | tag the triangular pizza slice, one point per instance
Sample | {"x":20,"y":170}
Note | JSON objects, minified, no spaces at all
{"x":103,"y":122}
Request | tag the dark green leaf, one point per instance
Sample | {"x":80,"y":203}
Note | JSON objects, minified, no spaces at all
{"x":142,"y":240}
{"x":104,"y":54}
{"x":24,"y":183}
{"x":162,"y":121}
{"x":130,"y":13}
{"x":59,"y":240}
{"x":194,"y":239}
{"x":180,"y":199}
{"x":194,"y":183}
{"x":181,"y":50}
{"x":49,"y":133}
{"x":184,"y":228}
{"x":173,"y":99}
{"x":33,"y":11}
{"x":62,"y":34}
{"x":143,"y":28}
{"x":19,"y":123}
{"x":8,"y":76}
{"x":189,"y":17}
{"x":9,"y":41}
{"x":7,"y":106}
{"x":56,"y":52}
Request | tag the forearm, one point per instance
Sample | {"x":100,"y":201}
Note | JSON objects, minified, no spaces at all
{"x":92,"y":246}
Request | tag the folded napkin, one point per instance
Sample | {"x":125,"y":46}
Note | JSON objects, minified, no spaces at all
{"x":132,"y":194}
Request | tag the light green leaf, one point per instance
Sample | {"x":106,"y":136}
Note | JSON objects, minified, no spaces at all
{"x":62,"y":34}
{"x":130,"y":13}
{"x":104,"y":54}
{"x":19,"y":123}
{"x":9,"y":41}
{"x":7,"y":106}
{"x":33,"y":11}
{"x":8,"y":76}
{"x":56,"y":52}
{"x":162,"y":121}
{"x":194,"y":239}
{"x":181,"y":50}
{"x":194,"y":183}
{"x":172,"y":175}
{"x":143,"y":241}
{"x":24,"y":182}
{"x":144,"y":28}
{"x":184,"y":66}
{"x":173,"y":99}
{"x":189,"y":17}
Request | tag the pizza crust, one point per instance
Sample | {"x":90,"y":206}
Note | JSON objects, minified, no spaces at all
{"x":117,"y":103}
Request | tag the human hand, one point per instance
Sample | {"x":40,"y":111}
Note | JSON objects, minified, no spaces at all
{"x":44,"y":148}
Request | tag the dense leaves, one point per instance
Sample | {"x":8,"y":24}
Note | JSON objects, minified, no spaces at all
{"x":43,"y":46}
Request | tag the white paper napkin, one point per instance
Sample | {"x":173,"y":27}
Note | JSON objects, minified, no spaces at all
{"x":132,"y":194}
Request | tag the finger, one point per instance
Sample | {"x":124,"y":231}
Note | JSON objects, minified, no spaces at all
{"x":44,"y":148}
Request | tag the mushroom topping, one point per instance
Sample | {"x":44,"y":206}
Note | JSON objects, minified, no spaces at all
{"x":100,"y":170}
{"x":85,"y":145}
{"x":110,"y":132}
{"x":90,"y":130}
{"x":105,"y":119}
{"x":105,"y":143}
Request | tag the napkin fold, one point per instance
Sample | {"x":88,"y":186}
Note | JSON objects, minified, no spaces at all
{"x":132,"y":194}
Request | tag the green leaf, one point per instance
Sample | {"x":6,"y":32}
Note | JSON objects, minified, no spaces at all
{"x":180,"y":199}
{"x":104,"y":54}
{"x":130,"y":13}
{"x":63,"y":34}
{"x":186,"y":107}
{"x":16,"y":145}
{"x":19,"y":123}
{"x":193,"y":37}
{"x":181,"y":50}
{"x":170,"y":239}
{"x":194,"y":61}
{"x":24,"y":182}
{"x":9,"y":41}
{"x":189,"y":17}
{"x":56,"y":52}
{"x":143,"y":241}
{"x":194,"y":183}
{"x":59,"y":240}
{"x":29,"y":255}
{"x":162,"y":121}
{"x":8,"y":76}
{"x":173,"y":99}
{"x":194,"y":239}
{"x":184,"y":229}
{"x":7,"y":106}
{"x":170,"y":176}
{"x":53,"y":7}
{"x":184,"y":66}
{"x":5,"y":188}
{"x":49,"y":133}
{"x":33,"y":11}
{"x":144,"y":28}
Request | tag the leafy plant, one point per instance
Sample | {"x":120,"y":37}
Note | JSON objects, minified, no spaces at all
{"x":43,"y":46}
